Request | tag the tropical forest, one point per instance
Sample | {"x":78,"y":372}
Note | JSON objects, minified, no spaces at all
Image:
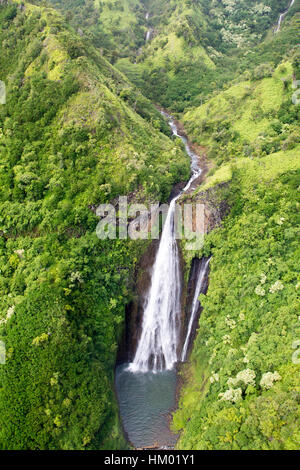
{"x":120,"y":331}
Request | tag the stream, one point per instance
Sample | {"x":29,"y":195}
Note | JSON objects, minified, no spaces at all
{"x":146,"y":388}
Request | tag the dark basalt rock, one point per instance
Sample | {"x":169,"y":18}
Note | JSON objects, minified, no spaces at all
{"x":134,"y":310}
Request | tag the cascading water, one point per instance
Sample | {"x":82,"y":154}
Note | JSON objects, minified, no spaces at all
{"x":195,"y":305}
{"x":281,"y":17}
{"x":148,"y":34}
{"x":158,"y":345}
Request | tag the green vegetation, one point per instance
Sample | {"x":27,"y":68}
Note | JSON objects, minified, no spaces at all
{"x":242,"y":387}
{"x":108,"y":23}
{"x":198,"y":47}
{"x":74,"y":133}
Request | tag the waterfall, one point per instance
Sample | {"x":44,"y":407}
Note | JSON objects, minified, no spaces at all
{"x":195,"y":305}
{"x":150,"y":30}
{"x":281,"y":17}
{"x":158,"y":345}
{"x":148,"y":35}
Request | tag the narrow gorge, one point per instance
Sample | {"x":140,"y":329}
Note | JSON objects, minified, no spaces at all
{"x":146,"y":386}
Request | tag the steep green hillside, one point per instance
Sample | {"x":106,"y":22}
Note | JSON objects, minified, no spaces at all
{"x":196,"y":47}
{"x":242,"y":383}
{"x":116,"y":27}
{"x":77,"y":131}
{"x":252,"y":118}
{"x":74,"y":133}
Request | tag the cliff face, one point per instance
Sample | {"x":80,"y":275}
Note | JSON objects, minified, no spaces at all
{"x":215,"y":209}
{"x":134,"y":310}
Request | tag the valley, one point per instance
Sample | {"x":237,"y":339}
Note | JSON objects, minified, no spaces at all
{"x":121,"y":343}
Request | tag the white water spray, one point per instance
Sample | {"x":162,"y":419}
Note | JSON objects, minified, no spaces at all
{"x":195,"y":306}
{"x":148,"y":34}
{"x":158,"y":345}
{"x":281,"y":17}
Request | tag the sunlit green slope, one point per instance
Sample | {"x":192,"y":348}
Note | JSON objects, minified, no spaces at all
{"x":242,"y":384}
{"x":196,"y":47}
{"x":193,"y":47}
